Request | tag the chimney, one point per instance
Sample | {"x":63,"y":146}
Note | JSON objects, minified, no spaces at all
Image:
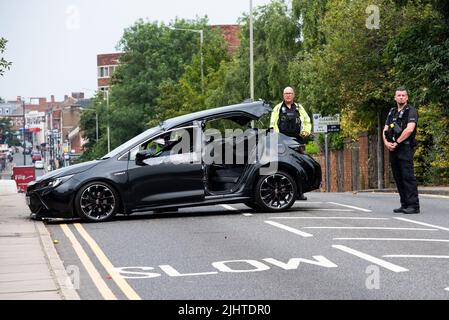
{"x":78,"y":95}
{"x":52,"y":98}
{"x":42,"y":101}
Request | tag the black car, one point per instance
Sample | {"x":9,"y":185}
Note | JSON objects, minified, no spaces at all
{"x":215,"y":156}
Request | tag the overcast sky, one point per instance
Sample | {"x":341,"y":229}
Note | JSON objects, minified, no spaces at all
{"x":53,"y":44}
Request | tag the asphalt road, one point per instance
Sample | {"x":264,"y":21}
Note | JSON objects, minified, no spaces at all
{"x":333,"y":246}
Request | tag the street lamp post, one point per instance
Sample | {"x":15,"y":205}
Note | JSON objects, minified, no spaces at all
{"x":251,"y":50}
{"x":201,"y":32}
{"x":24,"y":156}
{"x":107,"y":115}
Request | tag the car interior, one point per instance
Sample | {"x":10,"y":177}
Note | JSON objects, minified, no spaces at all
{"x":228,"y":150}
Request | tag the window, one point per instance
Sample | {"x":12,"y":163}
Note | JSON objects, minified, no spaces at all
{"x":227,"y":125}
{"x":177,"y":141}
{"x":103,"y":72}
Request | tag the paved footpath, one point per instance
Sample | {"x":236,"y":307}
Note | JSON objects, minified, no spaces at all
{"x":30,"y":268}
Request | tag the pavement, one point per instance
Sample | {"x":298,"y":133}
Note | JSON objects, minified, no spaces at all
{"x":30,"y":267}
{"x":435,"y":190}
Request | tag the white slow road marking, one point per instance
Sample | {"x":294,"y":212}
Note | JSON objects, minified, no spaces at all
{"x":415,"y":256}
{"x":394,"y":239}
{"x":373,"y":228}
{"x":447,"y":289}
{"x":352,"y":207}
{"x":332,"y":218}
{"x":367,"y":257}
{"x":290,"y":229}
{"x":423,"y":224}
{"x":247,"y":214}
{"x":228,"y":207}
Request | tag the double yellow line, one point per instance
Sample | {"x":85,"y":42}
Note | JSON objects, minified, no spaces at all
{"x":101,"y":285}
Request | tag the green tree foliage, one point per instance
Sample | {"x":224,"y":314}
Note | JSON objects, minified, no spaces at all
{"x":276,"y":42}
{"x":6,"y":132}
{"x":94,"y":149}
{"x":3,"y":63}
{"x":186,"y":95}
{"x":153,"y":53}
{"x":426,"y":74}
{"x":354,"y":70}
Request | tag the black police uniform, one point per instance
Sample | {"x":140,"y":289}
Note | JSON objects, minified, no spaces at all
{"x":289,"y":122}
{"x":401,"y":158}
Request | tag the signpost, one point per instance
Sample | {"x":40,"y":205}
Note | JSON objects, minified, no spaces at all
{"x":326,"y":125}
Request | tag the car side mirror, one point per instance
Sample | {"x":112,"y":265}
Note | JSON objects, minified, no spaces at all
{"x":143,"y":155}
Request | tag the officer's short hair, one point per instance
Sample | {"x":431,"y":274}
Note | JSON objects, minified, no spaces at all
{"x":402,"y":88}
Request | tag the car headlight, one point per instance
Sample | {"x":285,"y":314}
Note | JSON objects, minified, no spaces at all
{"x":58,"y":181}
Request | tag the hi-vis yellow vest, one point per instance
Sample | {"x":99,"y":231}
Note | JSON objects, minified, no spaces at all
{"x":306,"y":124}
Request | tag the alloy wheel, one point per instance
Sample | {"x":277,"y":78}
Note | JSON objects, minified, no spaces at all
{"x":276,"y":191}
{"x":97,"y":202}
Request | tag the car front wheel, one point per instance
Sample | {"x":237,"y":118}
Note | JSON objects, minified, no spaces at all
{"x":276,"y":192}
{"x":96,"y":202}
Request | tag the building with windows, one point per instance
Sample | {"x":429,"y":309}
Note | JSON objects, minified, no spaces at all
{"x":106,"y":65}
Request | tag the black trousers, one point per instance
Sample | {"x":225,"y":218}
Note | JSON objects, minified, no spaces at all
{"x":401,"y":161}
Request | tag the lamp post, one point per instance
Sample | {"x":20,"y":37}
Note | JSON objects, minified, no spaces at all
{"x":200,"y":31}
{"x":107,"y":115}
{"x":24,"y":146}
{"x":251,"y":50}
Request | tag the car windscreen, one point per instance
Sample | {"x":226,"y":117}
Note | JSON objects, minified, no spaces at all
{"x":128,"y":144}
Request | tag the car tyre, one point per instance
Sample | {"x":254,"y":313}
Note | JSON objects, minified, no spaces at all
{"x":252,"y":205}
{"x":276,"y":192}
{"x":97,"y":202}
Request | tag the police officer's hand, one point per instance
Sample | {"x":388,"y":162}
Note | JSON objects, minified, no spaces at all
{"x":391,"y":146}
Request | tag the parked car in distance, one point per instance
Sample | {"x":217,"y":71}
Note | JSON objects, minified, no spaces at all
{"x":39,"y":164}
{"x":36,"y":156}
{"x":185,"y":161}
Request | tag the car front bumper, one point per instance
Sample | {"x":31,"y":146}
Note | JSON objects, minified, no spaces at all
{"x":49,"y":202}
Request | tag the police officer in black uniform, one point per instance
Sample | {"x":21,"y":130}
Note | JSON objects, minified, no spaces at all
{"x":399,"y":138}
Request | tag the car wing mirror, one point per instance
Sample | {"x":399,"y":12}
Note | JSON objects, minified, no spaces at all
{"x":143,"y":155}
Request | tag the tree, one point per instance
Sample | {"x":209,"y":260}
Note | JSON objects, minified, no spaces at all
{"x":3,"y":63}
{"x":186,"y":95}
{"x":276,"y":36}
{"x":152,"y":54}
{"x":94,"y":149}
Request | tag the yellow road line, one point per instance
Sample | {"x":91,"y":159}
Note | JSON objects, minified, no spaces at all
{"x":91,"y":270}
{"x":121,"y":282}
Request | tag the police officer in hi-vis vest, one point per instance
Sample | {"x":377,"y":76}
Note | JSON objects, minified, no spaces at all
{"x":291,"y":119}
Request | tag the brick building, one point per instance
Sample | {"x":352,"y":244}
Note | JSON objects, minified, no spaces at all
{"x":106,"y":65}
{"x":231,"y":34}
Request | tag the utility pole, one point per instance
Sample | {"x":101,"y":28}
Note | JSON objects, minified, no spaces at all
{"x":251,"y":51}
{"x":107,"y":114}
{"x":380,"y":153}
{"x":24,"y":156}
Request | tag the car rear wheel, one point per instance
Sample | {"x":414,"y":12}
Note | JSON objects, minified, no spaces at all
{"x":96,"y":202}
{"x":276,"y":192}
